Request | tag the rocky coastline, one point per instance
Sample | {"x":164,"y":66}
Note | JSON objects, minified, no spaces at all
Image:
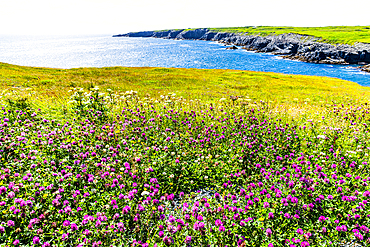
{"x":290,"y":46}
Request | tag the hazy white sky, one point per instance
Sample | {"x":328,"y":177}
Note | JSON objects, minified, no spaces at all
{"x":121,"y":16}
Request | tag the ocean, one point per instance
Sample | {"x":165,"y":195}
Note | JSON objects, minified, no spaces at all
{"x":107,"y":51}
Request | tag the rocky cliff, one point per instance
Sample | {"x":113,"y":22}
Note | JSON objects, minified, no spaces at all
{"x":292,"y":46}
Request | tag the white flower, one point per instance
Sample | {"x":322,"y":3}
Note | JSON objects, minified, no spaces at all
{"x":321,"y":137}
{"x":145,"y":193}
{"x":172,"y":176}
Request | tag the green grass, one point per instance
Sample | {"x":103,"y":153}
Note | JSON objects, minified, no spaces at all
{"x":296,"y":95}
{"x":196,"y":83}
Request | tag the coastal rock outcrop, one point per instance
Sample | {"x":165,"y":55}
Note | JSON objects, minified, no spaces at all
{"x":173,"y":34}
{"x":169,"y":34}
{"x":192,"y":34}
{"x":208,"y":36}
{"x":366,"y":68}
{"x":232,"y":48}
{"x":292,"y":46}
{"x":163,"y":34}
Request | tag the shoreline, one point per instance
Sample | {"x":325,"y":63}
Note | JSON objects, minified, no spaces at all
{"x":289,"y":46}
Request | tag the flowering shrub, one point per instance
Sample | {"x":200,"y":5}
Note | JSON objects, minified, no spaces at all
{"x":91,"y":105}
{"x":126,"y":171}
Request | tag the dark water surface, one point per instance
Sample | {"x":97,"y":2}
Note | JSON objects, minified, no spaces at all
{"x":105,"y":51}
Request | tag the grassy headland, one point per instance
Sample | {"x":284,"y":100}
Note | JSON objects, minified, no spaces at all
{"x":331,"y":34}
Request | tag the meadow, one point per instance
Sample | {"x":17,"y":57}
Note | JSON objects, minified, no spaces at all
{"x":123,"y":157}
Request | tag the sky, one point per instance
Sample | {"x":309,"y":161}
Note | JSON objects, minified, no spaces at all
{"x":49,"y":17}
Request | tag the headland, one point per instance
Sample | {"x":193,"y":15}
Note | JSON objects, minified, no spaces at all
{"x":288,"y":45}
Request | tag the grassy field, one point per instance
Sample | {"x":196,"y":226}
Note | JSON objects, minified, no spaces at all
{"x":122,"y":157}
{"x":330,"y":34}
{"x":196,"y":83}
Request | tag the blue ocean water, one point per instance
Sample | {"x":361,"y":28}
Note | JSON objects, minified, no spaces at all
{"x":105,"y":51}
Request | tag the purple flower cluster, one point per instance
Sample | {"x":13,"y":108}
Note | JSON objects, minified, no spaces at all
{"x":128,"y":180}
